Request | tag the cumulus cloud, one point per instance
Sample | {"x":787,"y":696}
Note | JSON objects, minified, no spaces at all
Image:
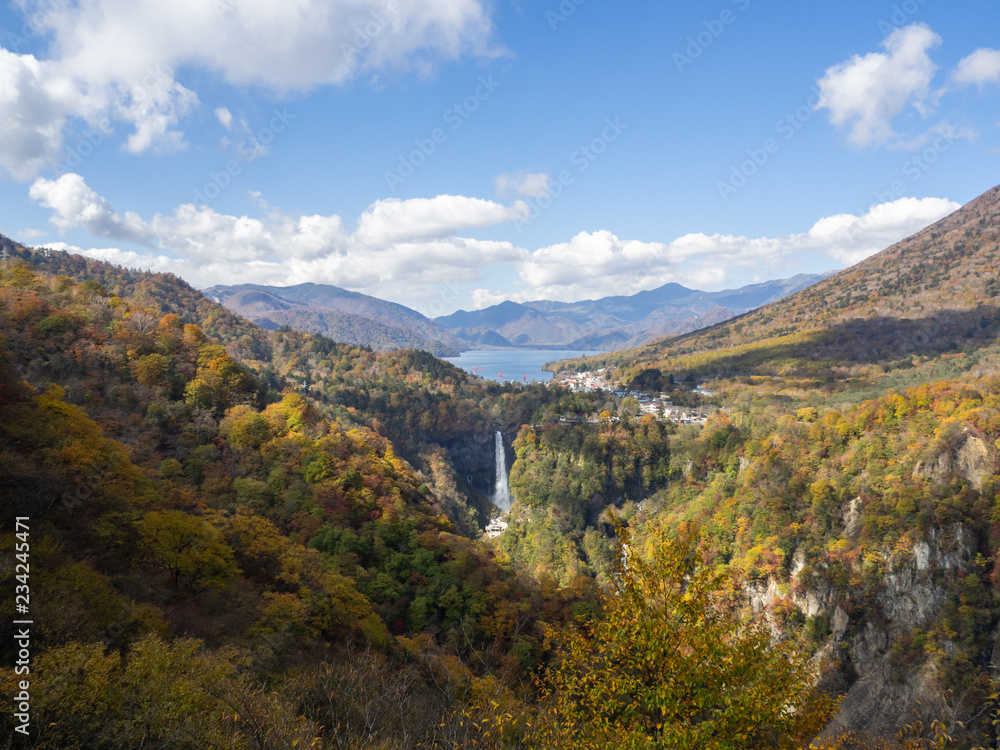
{"x":981,"y":67}
{"x":850,"y":239}
{"x":74,"y":204}
{"x":600,"y":263}
{"x":404,"y":250}
{"x":128,"y":258}
{"x":117,"y":59}
{"x":591,"y":255}
{"x":522,"y":185}
{"x":34,"y":102}
{"x":392,"y":220}
{"x":597,"y":264}
{"x":867,"y":92}
{"x":154,"y":107}
{"x":399,"y":248}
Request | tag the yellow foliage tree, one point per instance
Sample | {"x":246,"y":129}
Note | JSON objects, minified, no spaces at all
{"x":671,"y":666}
{"x":192,"y":550}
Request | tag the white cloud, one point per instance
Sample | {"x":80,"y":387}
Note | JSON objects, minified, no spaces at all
{"x":485,"y":298}
{"x":392,"y":220}
{"x":74,"y":204}
{"x":205,"y":236}
{"x":600,"y":264}
{"x":225,"y":117}
{"x":588,"y":257}
{"x":127,"y":258}
{"x":850,"y":239}
{"x":34,"y":104}
{"x":867,"y":92}
{"x":981,"y":67}
{"x":404,"y":250}
{"x":401,"y":249}
{"x":154,"y":106}
{"x":117,"y":59}
{"x":522,"y":185}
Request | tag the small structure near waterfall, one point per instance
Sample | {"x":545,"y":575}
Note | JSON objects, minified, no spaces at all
{"x":496,"y":527}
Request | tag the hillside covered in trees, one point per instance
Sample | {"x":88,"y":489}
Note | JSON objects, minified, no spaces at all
{"x":930,"y":294}
{"x":244,"y":537}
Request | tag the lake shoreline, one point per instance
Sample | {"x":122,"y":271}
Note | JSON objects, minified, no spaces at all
{"x":515,"y":364}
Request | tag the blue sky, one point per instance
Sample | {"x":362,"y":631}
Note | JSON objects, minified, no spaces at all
{"x":454,"y":153}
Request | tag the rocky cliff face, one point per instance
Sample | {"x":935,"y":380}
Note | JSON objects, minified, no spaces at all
{"x":886,"y":692}
{"x":969,"y":457}
{"x":881,"y":692}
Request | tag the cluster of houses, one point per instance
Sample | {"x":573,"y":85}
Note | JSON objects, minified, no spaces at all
{"x":587,"y":381}
{"x":663,"y":409}
{"x":656,"y":405}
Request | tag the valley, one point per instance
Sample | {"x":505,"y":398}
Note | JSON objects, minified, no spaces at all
{"x":469,"y":375}
{"x":231,"y":489}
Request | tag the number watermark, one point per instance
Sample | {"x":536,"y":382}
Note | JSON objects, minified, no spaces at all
{"x":22,"y":626}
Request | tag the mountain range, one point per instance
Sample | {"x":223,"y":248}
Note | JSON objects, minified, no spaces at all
{"x":613,"y":322}
{"x":608,"y":323}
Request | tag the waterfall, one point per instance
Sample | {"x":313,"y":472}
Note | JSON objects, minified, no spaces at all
{"x":501,"y":493}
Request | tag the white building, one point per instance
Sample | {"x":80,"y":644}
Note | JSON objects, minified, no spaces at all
{"x":496,"y":527}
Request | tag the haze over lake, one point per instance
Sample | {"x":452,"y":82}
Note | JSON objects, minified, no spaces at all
{"x":522,"y":365}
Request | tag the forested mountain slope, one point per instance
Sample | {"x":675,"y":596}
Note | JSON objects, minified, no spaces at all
{"x":255,"y":523}
{"x":928,"y":294}
{"x":263,"y":557}
{"x":344,"y":316}
{"x":851,"y":476}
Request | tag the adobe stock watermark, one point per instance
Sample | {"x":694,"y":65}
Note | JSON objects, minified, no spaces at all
{"x":90,"y":140}
{"x":785,"y":129}
{"x":902,"y":14}
{"x":713,"y":29}
{"x":914,"y":168}
{"x":249,"y":150}
{"x":562,"y":13}
{"x":365,"y":34}
{"x":81,"y":493}
{"x":34,"y":25}
{"x":581,"y":160}
{"x":455,"y":117}
{"x":225,"y":7}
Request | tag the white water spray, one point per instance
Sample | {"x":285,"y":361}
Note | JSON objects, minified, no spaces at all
{"x":501,"y":493}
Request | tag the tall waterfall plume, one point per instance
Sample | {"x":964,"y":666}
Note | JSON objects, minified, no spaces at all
{"x":501,"y":492}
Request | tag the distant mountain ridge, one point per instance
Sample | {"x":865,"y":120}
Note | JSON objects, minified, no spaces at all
{"x":609,"y":323}
{"x":614,"y":322}
{"x":345,"y":316}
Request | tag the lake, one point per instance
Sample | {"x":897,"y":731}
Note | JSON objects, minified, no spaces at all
{"x":515,"y":364}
